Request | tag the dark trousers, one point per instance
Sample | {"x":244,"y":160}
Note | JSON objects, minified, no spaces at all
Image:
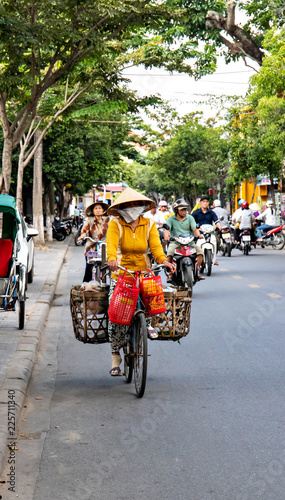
{"x":88,"y":272}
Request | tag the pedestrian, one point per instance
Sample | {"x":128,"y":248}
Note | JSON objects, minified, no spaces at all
{"x":96,"y":226}
{"x":76,"y":216}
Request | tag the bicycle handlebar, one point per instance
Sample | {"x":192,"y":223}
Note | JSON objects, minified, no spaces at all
{"x":160,"y":266}
{"x":94,"y":241}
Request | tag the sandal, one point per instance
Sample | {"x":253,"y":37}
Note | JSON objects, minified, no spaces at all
{"x":116,"y":361}
{"x":115,"y":371}
{"x":200,"y":278}
{"x":216,"y":263}
{"x":152,"y":333}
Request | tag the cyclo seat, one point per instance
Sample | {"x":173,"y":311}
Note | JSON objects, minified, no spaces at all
{"x":6,"y":249}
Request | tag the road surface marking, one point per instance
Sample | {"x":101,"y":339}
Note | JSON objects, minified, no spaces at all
{"x":274,"y":295}
{"x":237,"y":277}
{"x":254,"y":286}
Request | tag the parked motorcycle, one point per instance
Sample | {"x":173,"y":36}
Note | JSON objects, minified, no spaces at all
{"x":185,"y":258}
{"x":59,"y":230}
{"x":274,"y":237}
{"x":209,"y":245}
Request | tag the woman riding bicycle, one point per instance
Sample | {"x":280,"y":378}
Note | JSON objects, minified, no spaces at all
{"x":129,"y":238}
{"x":95,"y":227}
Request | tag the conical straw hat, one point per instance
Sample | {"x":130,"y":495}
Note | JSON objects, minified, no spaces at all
{"x":89,"y":210}
{"x":128,"y":195}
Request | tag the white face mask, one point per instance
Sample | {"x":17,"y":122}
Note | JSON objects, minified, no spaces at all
{"x":131,"y":214}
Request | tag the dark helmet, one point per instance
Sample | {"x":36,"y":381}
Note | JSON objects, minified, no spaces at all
{"x":244,"y":205}
{"x":178,"y":204}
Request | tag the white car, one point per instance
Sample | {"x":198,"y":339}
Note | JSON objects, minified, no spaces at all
{"x":26,"y":247}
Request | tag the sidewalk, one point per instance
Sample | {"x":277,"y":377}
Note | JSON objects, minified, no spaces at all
{"x":18,"y":348}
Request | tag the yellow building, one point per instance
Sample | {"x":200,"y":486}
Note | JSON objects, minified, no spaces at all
{"x":247,"y":188}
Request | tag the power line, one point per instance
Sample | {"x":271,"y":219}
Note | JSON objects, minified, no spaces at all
{"x":154,"y":76}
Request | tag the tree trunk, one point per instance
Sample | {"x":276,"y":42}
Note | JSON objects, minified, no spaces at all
{"x":49,"y":209}
{"x":67,"y":201}
{"x":5,"y":177}
{"x":19,"y":192}
{"x":38,"y":221}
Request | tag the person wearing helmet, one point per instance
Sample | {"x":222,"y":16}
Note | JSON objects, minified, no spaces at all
{"x":269,"y":218}
{"x":162,"y":213}
{"x":206,"y":216}
{"x":246,"y":220}
{"x":219,"y":211}
{"x":237,"y":213}
{"x":182,"y":223}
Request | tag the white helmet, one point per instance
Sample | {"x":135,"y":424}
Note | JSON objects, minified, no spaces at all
{"x":217,"y":203}
{"x":269,"y":203}
{"x":162,"y":203}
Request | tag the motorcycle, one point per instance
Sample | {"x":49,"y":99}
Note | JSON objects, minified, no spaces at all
{"x":226,"y":241}
{"x":161,"y":229}
{"x":209,"y":245}
{"x":274,"y":237}
{"x":185,"y":258}
{"x":245,"y":240}
{"x":77,"y":242}
{"x":59,"y":230}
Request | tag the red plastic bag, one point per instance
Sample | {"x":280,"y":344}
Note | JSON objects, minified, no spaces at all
{"x":152,"y":293}
{"x":124,"y":300}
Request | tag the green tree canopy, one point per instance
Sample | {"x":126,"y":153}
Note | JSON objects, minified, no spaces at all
{"x":195,"y":159}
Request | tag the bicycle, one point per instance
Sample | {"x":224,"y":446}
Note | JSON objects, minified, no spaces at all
{"x":135,"y":350}
{"x":97,"y":257}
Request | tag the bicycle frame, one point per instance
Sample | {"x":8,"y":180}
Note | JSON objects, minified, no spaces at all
{"x":96,"y":257}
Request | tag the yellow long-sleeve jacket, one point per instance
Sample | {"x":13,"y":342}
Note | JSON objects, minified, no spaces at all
{"x":130,"y":248}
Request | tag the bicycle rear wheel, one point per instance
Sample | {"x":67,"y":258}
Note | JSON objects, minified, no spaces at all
{"x":140,"y":353}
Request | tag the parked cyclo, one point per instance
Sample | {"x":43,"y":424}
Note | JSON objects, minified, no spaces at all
{"x":14,"y":258}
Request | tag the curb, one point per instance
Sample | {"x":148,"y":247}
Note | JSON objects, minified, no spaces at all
{"x":20,"y":367}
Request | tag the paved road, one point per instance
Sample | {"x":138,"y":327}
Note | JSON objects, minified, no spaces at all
{"x":211,"y":423}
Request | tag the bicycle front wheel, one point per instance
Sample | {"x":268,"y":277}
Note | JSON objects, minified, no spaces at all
{"x":140,"y":353}
{"x":128,"y":362}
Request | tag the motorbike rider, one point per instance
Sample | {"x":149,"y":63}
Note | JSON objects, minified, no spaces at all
{"x":235,"y":218}
{"x":204,"y":215}
{"x":269,"y":220}
{"x":160,"y":218}
{"x":246,"y":220}
{"x":182,"y":223}
{"x":151,"y":214}
{"x":219,"y":211}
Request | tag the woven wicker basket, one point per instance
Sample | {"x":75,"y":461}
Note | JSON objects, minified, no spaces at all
{"x":174,"y":323}
{"x":89,"y":311}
